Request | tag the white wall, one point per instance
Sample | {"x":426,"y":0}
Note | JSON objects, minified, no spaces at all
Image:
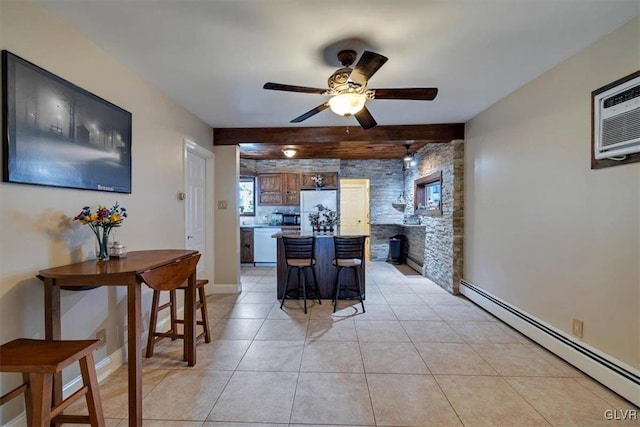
{"x":542,"y":230}
{"x":227,"y":227}
{"x":34,"y":221}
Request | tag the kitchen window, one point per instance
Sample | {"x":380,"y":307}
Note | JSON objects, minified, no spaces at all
{"x":247,"y":196}
{"x":428,"y":195}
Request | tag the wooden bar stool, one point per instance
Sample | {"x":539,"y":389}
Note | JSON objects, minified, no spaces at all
{"x":38,"y":361}
{"x":172,"y":333}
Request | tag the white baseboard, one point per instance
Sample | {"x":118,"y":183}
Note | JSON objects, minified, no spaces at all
{"x":104,"y":368}
{"x":615,"y":374}
{"x":224,"y":289}
{"x":19,"y":421}
{"x":417,"y":267}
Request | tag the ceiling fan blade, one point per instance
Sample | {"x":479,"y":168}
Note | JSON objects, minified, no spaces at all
{"x":367,"y":65}
{"x":415,"y":93}
{"x":310,"y":113}
{"x":365,"y":118}
{"x":291,"y":88}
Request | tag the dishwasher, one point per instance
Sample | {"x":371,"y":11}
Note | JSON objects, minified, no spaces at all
{"x":264,"y":246}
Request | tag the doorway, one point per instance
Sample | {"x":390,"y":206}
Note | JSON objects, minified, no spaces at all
{"x":354,"y":209}
{"x":198,"y":205}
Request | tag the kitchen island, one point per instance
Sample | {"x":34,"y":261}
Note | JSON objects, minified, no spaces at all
{"x":325,"y":270}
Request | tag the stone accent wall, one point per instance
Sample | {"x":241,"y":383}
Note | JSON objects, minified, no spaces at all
{"x":297,"y":166}
{"x":416,"y":238}
{"x":443,"y":234}
{"x":380,"y":235}
{"x":247,"y":167}
{"x":458,"y":212}
{"x":385,"y":185}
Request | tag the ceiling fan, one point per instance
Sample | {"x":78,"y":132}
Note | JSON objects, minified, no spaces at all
{"x":348,"y":89}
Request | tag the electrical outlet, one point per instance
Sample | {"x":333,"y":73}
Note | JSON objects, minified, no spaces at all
{"x":102,"y":335}
{"x":576,"y":328}
{"x":222,"y":204}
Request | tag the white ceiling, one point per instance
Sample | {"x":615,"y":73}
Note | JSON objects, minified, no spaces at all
{"x":213,"y":56}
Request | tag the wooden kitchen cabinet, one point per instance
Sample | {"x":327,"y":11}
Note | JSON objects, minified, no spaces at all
{"x":246,"y":245}
{"x":291,"y":189}
{"x":270,"y":189}
{"x":280,"y":189}
{"x":330,"y":180}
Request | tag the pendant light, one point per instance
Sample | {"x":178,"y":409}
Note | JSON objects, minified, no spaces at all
{"x":408,"y":159}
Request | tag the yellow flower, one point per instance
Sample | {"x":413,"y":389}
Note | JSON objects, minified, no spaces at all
{"x":115,"y":217}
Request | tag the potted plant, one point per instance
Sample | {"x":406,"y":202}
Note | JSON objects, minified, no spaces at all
{"x":318,"y":180}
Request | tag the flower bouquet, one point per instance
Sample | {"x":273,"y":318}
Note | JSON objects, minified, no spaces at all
{"x":325,"y":218}
{"x":318,"y":180}
{"x":101,"y":222}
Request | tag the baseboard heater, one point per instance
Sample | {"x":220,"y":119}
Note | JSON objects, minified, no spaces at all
{"x":621,"y":378}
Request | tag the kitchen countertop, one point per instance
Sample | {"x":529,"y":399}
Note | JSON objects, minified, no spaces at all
{"x":269,"y":226}
{"x":316,"y":235}
{"x":397,"y":225}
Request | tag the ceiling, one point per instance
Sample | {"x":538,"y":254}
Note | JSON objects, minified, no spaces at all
{"x":213,"y":57}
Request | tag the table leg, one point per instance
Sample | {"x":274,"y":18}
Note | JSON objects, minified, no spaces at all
{"x":53,"y":327}
{"x":190,"y":320}
{"x":134,"y":332}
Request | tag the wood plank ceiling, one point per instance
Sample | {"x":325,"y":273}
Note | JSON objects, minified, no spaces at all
{"x":380,"y":142}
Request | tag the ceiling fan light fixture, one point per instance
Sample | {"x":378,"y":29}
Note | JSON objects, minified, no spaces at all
{"x":347,"y":104}
{"x":289,"y":152}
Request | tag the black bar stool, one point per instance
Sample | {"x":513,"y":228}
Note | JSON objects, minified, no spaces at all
{"x":349,"y":253}
{"x":299,"y":255}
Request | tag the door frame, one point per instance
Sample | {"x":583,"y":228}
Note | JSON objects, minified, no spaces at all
{"x":209,"y":158}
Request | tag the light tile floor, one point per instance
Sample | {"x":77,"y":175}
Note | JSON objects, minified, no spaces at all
{"x":418,"y":357}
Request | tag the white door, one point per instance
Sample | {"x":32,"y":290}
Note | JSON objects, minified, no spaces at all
{"x":195,"y":204}
{"x":354,"y":208}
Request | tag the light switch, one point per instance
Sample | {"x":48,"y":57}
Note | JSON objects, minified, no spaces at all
{"x":222,"y":204}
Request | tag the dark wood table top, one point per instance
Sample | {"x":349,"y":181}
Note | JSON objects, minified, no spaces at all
{"x":135,"y":262}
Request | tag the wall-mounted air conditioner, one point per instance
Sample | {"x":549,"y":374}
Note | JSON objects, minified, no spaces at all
{"x":616,"y":119}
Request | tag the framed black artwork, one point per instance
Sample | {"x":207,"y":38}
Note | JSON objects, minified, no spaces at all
{"x":57,"y":134}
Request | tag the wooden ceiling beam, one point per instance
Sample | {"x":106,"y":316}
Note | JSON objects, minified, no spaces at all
{"x":398,"y":134}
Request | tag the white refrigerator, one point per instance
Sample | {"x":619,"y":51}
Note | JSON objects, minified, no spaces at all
{"x":309,"y":199}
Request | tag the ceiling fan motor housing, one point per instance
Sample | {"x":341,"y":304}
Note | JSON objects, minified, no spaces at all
{"x":339,"y":81}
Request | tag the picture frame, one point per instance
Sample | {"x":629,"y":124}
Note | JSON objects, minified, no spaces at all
{"x":57,"y":134}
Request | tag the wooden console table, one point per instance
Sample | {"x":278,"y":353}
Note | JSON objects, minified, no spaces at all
{"x":121,"y":272}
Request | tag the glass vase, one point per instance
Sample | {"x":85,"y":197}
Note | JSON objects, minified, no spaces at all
{"x":102,"y":247}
